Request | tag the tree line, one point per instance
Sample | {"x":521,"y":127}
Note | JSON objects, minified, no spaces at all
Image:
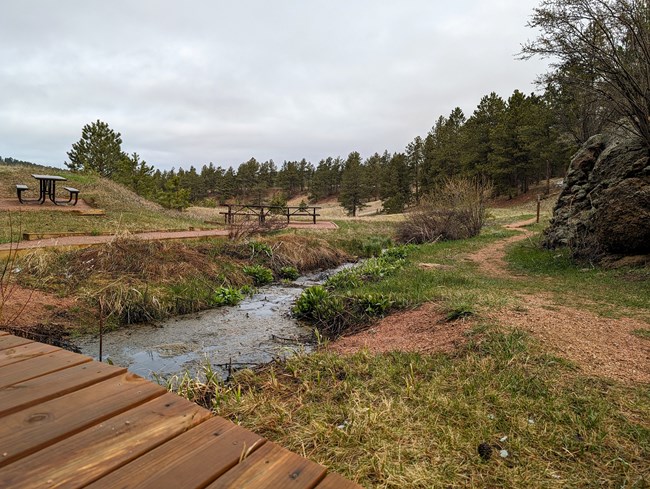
{"x":599,"y":81}
{"x":511,"y":142}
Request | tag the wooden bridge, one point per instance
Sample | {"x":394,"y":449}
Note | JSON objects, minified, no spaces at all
{"x":68,"y":421}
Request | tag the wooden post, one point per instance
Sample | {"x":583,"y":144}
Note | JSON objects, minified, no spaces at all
{"x":538,"y":206}
{"x":314,"y":209}
{"x":101,"y":327}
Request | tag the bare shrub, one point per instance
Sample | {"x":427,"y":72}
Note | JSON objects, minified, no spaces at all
{"x":243,"y":229}
{"x":457,"y":210}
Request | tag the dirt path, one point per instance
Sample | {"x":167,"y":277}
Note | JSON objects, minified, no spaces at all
{"x":491,"y":258}
{"x":599,"y":346}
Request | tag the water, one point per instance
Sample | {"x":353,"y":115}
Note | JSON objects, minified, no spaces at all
{"x":256,"y":331}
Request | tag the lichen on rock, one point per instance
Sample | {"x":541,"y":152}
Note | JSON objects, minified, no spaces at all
{"x":604,"y":208}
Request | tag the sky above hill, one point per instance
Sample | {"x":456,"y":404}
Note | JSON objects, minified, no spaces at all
{"x":186,"y":83}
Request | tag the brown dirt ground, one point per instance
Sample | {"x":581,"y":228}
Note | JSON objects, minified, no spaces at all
{"x":599,"y":346}
{"x":25,"y":308}
{"x":424,"y":330}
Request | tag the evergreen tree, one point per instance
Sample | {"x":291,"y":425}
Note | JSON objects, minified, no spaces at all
{"x":247,"y":178}
{"x":414,"y":158}
{"x":396,"y":184}
{"x":353,"y":190}
{"x":99,"y":150}
{"x":480,"y":136}
{"x":374,"y":169}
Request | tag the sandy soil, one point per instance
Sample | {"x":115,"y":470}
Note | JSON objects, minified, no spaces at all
{"x":599,"y":346}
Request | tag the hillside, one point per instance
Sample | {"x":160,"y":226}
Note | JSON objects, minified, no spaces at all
{"x":124,"y":210}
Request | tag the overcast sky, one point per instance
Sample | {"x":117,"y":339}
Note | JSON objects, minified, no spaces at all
{"x":186,"y":83}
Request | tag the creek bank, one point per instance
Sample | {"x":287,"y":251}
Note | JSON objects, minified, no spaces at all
{"x":257,"y":331}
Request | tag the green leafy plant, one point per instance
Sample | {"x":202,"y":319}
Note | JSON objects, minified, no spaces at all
{"x":373,"y":304}
{"x":375,"y":246}
{"x":318,"y":304}
{"x":258,"y":248}
{"x":289,"y":273}
{"x":227,"y":296}
{"x":260,"y":275}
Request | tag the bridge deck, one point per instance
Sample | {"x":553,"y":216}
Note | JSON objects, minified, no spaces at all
{"x":68,"y":421}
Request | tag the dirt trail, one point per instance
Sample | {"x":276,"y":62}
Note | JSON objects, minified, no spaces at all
{"x":491,"y":258}
{"x":599,"y":346}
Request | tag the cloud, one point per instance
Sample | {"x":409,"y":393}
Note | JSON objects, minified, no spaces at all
{"x":193,"y":82}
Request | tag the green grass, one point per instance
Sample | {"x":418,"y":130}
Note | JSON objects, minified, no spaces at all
{"x":611,"y":293}
{"x":643,"y":333}
{"x":409,"y":420}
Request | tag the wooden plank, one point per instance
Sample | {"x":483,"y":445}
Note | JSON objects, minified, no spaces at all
{"x":335,"y":481}
{"x":46,"y":387}
{"x":191,"y":460}
{"x":93,"y":453}
{"x":36,"y":427}
{"x":24,"y":352}
{"x":41,"y":365}
{"x":272,"y":466}
{"x":11,"y":341}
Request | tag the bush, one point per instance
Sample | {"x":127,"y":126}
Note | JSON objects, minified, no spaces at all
{"x":260,"y":275}
{"x":455,"y":211}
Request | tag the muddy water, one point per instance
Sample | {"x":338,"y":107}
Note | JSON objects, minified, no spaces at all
{"x":256,"y":331}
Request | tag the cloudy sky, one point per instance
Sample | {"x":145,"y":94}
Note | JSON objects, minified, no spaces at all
{"x":186,"y":83}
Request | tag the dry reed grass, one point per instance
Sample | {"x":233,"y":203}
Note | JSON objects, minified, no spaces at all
{"x":304,"y":253}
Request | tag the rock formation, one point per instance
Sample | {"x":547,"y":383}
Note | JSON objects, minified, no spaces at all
{"x":604,"y":208}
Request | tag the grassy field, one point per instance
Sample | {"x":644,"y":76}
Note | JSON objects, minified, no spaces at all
{"x":399,"y":419}
{"x":392,"y":420}
{"x":125,"y":211}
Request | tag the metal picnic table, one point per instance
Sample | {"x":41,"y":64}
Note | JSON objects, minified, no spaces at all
{"x":47,"y":185}
{"x":47,"y":190}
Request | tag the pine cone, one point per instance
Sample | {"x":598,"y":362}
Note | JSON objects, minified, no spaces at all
{"x":485,"y":451}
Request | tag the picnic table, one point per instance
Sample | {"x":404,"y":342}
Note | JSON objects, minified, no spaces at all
{"x":47,"y":184}
{"x":47,"y":190}
{"x":261,"y":212}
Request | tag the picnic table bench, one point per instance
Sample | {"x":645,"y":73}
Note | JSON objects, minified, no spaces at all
{"x":262,"y":211}
{"x":47,"y":190}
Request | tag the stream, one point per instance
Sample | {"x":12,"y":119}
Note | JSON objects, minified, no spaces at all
{"x":256,"y":331}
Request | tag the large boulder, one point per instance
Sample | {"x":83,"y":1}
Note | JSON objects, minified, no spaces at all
{"x":604,"y":208}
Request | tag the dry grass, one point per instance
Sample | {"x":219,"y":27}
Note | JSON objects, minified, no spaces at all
{"x":304,"y":253}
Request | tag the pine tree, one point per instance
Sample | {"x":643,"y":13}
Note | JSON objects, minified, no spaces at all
{"x":99,"y":150}
{"x":353,"y":189}
{"x":414,"y":158}
{"x":396,"y":184}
